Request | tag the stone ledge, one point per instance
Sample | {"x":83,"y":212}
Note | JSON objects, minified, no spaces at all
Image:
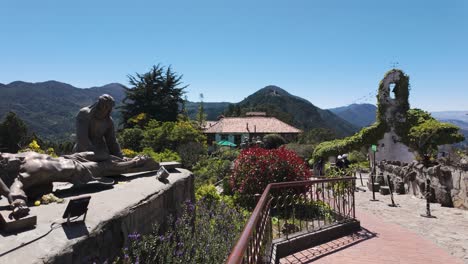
{"x":132,"y":205}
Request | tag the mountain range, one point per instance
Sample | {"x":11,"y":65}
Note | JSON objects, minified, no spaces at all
{"x":49,"y":108}
{"x":360,"y":115}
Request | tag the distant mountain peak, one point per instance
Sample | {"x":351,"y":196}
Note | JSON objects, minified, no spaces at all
{"x":273,"y":90}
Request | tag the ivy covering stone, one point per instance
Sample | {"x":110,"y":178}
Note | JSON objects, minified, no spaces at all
{"x":414,"y":127}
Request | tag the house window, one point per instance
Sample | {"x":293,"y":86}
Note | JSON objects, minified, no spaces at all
{"x":224,"y":137}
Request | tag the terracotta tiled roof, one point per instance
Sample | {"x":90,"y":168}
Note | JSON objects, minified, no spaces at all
{"x":252,"y":124}
{"x":209,"y":124}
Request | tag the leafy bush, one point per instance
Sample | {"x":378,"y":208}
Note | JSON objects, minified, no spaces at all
{"x":364,"y":138}
{"x":302,"y":150}
{"x":171,"y":135}
{"x":166,"y":155}
{"x":255,"y":168}
{"x":211,"y":170}
{"x":227,"y":154}
{"x":34,"y":146}
{"x":207,"y":192}
{"x":190,"y":153}
{"x":356,"y":157}
{"x":272,"y":141}
{"x":205,"y":233}
{"x":131,"y":138}
{"x":129,"y":153}
{"x":165,"y":138}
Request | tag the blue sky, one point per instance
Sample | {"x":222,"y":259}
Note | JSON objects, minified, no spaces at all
{"x":332,"y":53}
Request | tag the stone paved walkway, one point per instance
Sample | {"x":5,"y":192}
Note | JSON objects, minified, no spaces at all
{"x":449,"y":230}
{"x":396,"y":235}
{"x":378,"y":242}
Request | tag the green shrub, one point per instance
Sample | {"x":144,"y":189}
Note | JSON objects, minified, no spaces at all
{"x":166,"y":155}
{"x":171,"y":135}
{"x":304,"y":151}
{"x":207,"y":192}
{"x":210,"y":170}
{"x":129,"y":153}
{"x":356,"y":156}
{"x":364,"y":138}
{"x":190,"y":153}
{"x":131,"y":138}
{"x":227,"y":154}
{"x":273,"y":141}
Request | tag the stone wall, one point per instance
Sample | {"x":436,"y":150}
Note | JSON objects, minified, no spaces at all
{"x":449,"y":185}
{"x":390,"y":148}
{"x":135,"y":204}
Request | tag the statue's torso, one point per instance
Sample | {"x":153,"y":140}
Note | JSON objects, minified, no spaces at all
{"x":38,"y":168}
{"x":98,"y":129}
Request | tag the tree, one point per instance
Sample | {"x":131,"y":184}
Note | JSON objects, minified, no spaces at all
{"x":183,"y":116}
{"x":201,"y":116}
{"x":156,"y":93}
{"x":233,"y":110}
{"x":13,"y":133}
{"x":431,"y":133}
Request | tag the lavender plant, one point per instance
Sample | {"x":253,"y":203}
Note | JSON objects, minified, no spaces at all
{"x":204,"y":233}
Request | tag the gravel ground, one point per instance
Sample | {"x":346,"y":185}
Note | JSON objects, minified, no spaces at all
{"x":449,"y":229}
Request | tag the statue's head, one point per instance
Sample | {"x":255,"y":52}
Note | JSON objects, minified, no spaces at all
{"x":10,"y":165}
{"x":104,"y":106}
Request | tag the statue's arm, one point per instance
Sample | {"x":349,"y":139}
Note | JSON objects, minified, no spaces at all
{"x":82,"y":127}
{"x":111,"y":141}
{"x":4,"y":190}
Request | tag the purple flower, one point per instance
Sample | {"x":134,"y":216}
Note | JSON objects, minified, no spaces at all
{"x":134,"y":236}
{"x":190,"y":206}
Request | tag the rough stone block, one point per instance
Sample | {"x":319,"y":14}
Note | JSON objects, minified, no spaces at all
{"x":400,"y":187}
{"x":443,"y":197}
{"x":384,"y":190}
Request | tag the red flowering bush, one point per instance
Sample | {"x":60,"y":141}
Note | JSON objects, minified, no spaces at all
{"x":255,"y":168}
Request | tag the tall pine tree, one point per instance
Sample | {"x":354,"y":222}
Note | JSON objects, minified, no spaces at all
{"x":156,"y":94}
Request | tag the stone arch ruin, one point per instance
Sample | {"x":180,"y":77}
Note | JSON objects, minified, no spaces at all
{"x":392,"y":112}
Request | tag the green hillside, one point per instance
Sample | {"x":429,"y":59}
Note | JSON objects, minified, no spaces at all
{"x":49,"y":108}
{"x":294,"y":110}
{"x":360,"y":115}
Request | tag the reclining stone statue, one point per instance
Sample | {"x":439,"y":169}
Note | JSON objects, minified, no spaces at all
{"x":95,"y":129}
{"x":30,"y":174}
